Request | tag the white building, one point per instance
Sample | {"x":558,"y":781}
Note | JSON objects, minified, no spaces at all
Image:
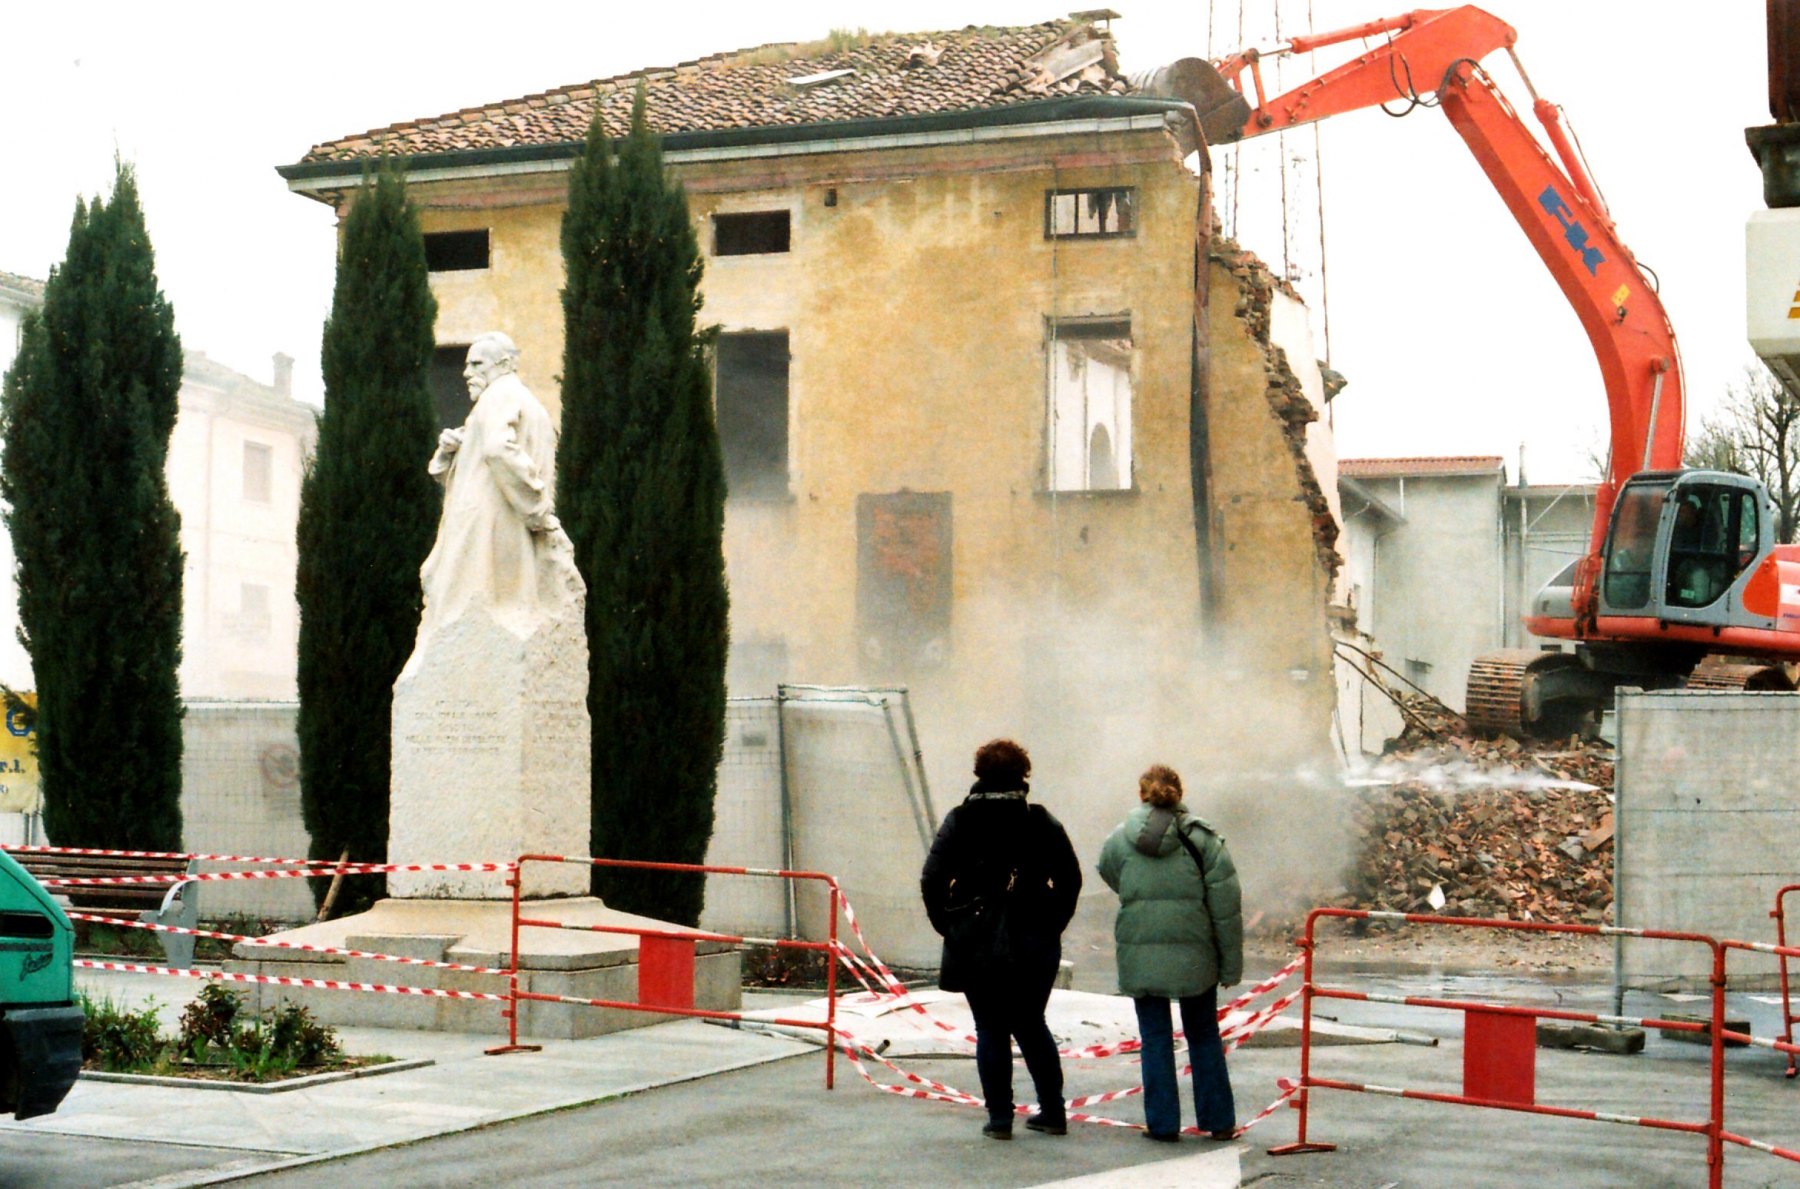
{"x":235,"y":461}
{"x":1442,"y":557}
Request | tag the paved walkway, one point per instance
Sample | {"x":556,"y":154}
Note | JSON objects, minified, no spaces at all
{"x":462,"y":1090}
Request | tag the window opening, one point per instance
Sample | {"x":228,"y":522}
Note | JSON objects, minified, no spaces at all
{"x":456,"y":251}
{"x":754,"y":233}
{"x":1090,"y":406}
{"x":259,"y":472}
{"x":750,"y":390}
{"x":1631,"y":547}
{"x":449,"y":391}
{"x":253,"y":611}
{"x":1705,"y":553}
{"x":1110,"y":210}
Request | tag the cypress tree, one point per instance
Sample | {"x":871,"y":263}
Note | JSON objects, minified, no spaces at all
{"x":368,"y":514}
{"x":87,"y":410}
{"x":641,"y":490}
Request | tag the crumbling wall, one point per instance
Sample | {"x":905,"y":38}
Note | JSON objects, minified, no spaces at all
{"x":1273,"y":557}
{"x":1256,"y":288}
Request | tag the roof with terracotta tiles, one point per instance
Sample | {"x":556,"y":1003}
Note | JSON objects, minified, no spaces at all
{"x":19,"y":284}
{"x":889,"y":75}
{"x":1397,"y":468}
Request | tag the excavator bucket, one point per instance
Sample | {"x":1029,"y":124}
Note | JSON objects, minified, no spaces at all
{"x":1221,"y":109}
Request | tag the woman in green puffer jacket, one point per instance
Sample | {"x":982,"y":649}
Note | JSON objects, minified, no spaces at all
{"x":1179,"y":936}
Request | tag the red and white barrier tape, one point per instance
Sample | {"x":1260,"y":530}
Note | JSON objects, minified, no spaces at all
{"x":934,"y":1091}
{"x":326,"y":984}
{"x":11,"y":849}
{"x":308,"y":873}
{"x":271,"y":943}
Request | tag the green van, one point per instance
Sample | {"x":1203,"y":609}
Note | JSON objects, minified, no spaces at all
{"x":40,"y":1023}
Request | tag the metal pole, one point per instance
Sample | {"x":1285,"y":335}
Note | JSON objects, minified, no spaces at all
{"x":830,"y":992}
{"x":918,"y":755}
{"x":925,"y":831}
{"x":1787,"y":1003}
{"x":789,"y":906}
{"x":1303,"y":1098}
{"x":1715,"y":1126}
{"x":511,"y":1010}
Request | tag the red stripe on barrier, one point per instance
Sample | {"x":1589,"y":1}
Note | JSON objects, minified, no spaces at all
{"x":274,"y":980}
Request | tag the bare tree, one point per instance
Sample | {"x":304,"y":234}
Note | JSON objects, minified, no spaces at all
{"x":1756,"y":431}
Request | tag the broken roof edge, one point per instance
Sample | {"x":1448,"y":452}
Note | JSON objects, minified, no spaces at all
{"x":306,"y":176}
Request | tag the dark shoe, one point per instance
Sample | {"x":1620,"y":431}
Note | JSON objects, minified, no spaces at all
{"x":1048,"y":1126}
{"x":1159,"y":1137}
{"x":997,"y":1130}
{"x":1223,"y":1136}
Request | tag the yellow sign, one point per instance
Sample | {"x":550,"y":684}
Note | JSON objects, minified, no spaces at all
{"x":20,"y":791}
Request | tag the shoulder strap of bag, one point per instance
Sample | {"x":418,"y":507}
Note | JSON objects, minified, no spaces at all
{"x":1182,"y":834}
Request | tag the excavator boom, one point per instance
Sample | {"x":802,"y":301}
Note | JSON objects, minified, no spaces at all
{"x":1435,"y":54}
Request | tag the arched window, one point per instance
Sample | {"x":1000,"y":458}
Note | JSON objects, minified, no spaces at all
{"x":1103,"y":469}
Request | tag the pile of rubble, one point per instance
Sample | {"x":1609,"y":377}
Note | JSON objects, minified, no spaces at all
{"x":1462,"y":826}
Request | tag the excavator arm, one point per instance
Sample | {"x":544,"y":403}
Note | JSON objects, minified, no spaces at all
{"x":1434,"y":56}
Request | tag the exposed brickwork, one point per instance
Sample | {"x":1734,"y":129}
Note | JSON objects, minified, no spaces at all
{"x":1256,"y":289}
{"x":894,"y":75}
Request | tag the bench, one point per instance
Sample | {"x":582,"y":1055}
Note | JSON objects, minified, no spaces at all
{"x":156,"y":903}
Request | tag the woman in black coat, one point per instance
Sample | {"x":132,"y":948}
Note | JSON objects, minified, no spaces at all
{"x":1000,"y":886}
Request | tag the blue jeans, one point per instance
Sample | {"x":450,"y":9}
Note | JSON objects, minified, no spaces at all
{"x":1014,"y":1009}
{"x":1213,"y":1106}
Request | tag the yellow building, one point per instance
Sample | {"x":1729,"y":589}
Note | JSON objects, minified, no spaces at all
{"x":999,"y":425}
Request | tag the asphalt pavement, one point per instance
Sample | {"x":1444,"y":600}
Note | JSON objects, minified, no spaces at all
{"x":694,"y":1103}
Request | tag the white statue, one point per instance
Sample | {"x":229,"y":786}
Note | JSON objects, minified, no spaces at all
{"x":499,"y":544}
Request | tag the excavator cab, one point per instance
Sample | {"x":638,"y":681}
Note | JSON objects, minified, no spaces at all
{"x":1687,"y":563}
{"x":1681,"y":543}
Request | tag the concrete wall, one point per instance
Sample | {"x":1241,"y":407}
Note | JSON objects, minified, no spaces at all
{"x":854,"y":809}
{"x":1706,"y":827}
{"x":240,"y":795}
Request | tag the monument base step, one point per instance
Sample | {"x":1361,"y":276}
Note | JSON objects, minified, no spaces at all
{"x":573,"y":962}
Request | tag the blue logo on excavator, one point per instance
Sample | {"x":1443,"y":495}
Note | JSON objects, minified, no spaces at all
{"x":1573,"y":231}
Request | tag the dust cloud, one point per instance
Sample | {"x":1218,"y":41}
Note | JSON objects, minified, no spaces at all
{"x":1098,"y":695}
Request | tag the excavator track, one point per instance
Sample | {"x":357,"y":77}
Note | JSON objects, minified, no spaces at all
{"x":1495,"y":698}
{"x":1749,"y":676}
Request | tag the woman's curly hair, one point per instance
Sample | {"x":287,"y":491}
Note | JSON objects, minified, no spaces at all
{"x":1160,"y":785}
{"x":1002,"y":764}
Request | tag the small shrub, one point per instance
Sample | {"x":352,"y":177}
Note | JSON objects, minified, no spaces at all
{"x":207,"y":1020}
{"x":214,"y":1031}
{"x":119,"y":1040}
{"x":293,"y":1030}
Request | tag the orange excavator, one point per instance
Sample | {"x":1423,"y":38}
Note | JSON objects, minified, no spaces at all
{"x":1682,"y":583}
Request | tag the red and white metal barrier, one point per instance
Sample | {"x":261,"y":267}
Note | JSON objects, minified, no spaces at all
{"x":666,"y":956}
{"x":1787,"y":1002}
{"x":1500,"y":1042}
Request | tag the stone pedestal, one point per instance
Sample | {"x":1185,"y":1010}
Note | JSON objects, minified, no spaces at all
{"x":577,"y":963}
{"x":490,"y":755}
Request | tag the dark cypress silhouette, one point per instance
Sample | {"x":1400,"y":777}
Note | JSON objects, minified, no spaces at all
{"x":88,"y":407}
{"x":368,"y":515}
{"x":641,"y":490}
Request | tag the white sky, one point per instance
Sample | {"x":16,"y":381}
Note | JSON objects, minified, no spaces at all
{"x":1452,"y":334}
